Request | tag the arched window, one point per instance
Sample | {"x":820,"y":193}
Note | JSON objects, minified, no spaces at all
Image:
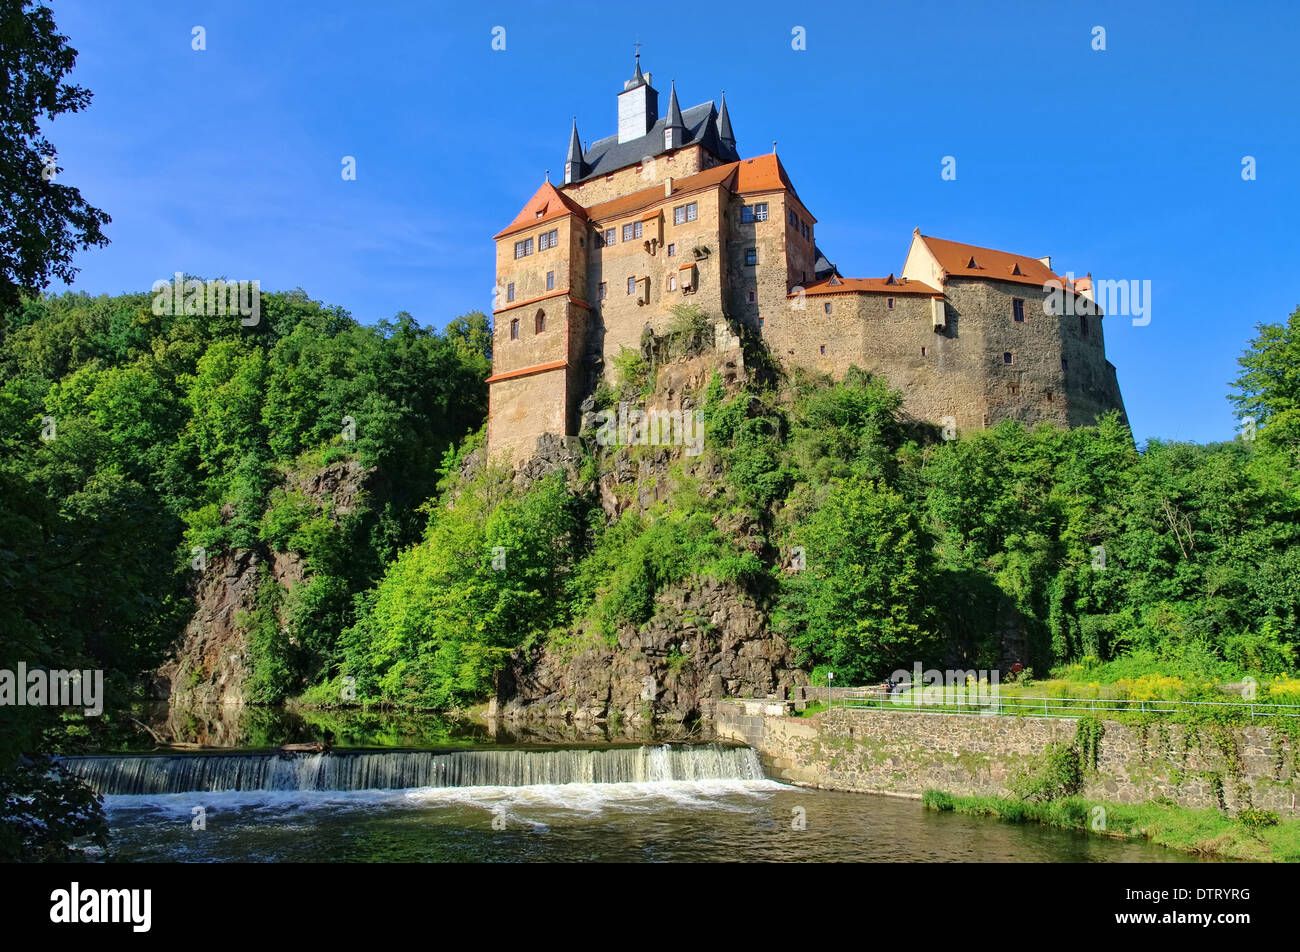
{"x":539,"y":322}
{"x":514,"y":329}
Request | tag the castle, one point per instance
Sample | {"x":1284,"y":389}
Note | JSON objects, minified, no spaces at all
{"x":666,"y":211}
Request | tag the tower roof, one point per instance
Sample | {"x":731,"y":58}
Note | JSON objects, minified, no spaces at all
{"x":701,"y":128}
{"x":725,"y":135}
{"x":971,"y":261}
{"x":547,"y":204}
{"x":674,"y":120}
{"x":575,"y":144}
{"x":637,"y":79}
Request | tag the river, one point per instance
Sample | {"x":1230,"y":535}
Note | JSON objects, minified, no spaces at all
{"x":477,"y":798}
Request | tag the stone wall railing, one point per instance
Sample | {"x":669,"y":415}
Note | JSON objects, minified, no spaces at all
{"x":906,"y":753}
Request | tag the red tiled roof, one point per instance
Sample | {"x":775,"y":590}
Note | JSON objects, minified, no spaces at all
{"x":625,"y":205}
{"x":546,"y":205}
{"x":888,"y":285}
{"x":955,"y":258}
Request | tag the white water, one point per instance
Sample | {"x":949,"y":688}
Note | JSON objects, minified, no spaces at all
{"x":481,"y":770}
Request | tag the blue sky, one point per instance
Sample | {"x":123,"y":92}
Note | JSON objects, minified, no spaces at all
{"x":1126,"y":163}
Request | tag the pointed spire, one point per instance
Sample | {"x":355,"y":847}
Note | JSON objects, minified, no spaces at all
{"x":674,"y":127}
{"x":637,"y":78}
{"x":574,"y":166}
{"x":724,"y":125}
{"x":674,"y":110}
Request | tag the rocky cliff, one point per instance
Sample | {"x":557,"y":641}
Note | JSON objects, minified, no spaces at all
{"x":210,"y":662}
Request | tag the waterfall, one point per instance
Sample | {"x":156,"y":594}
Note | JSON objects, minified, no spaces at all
{"x":396,"y":770}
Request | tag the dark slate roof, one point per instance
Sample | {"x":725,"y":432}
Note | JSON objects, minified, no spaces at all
{"x":608,"y":155}
{"x":822,"y":268}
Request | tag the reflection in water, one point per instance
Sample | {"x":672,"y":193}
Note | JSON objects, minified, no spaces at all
{"x":683,"y":821}
{"x":500,"y":813}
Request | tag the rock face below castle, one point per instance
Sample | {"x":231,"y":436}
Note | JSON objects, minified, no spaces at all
{"x":668,"y":213}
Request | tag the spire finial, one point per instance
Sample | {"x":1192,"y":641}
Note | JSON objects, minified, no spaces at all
{"x":548,"y":175}
{"x":774,"y":147}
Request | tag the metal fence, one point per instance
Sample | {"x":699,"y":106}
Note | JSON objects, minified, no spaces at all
{"x":969,"y":702}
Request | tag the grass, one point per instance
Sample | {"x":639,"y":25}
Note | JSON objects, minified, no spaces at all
{"x":1207,"y":832}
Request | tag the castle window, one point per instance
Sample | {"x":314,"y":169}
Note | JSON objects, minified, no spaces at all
{"x":631,"y":285}
{"x":539,"y":322}
{"x":1006,"y":357}
{"x":803,"y":227}
{"x":889,"y":303}
{"x":751,"y":296}
{"x":1083,"y":325}
{"x":827,"y":307}
{"x":672,"y":249}
{"x":823,"y":348}
{"x":602,"y":291}
{"x":523,"y":248}
{"x":1018,"y":310}
{"x":1049,"y":396}
{"x":794,"y":219}
{"x":550,"y":280}
{"x":548,"y":239}
{"x":753,"y":213}
{"x":751,"y":256}
{"x":922,"y":351}
{"x":514,"y":329}
{"x":1065,"y":365}
{"x":684,"y":213}
{"x":1013,"y":388}
{"x":610,"y":236}
{"x":632,"y":231}
{"x":760,"y":322}
{"x":510,"y":291}
{"x":672,"y":282}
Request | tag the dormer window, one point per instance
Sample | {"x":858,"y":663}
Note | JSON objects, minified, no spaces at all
{"x":972,"y":265}
{"x":1016,"y":270}
{"x":668,"y":138}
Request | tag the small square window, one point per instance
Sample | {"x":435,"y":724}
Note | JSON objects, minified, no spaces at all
{"x":1018,"y":310}
{"x":823,"y":348}
{"x":751,"y":257}
{"x":751,"y":296}
{"x":602,"y":291}
{"x":1048,"y":394}
{"x":760,"y":322}
{"x":1013,"y":388}
{"x":550,"y":280}
{"x":1006,"y":357}
{"x":631,"y":285}
{"x":827,"y":307}
{"x":510,"y":291}
{"x":672,"y":249}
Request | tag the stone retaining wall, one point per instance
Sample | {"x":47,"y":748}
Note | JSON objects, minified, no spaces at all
{"x":906,"y":753}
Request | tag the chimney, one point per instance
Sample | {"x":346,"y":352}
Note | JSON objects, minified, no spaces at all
{"x":668,"y":187}
{"x":1046,"y":262}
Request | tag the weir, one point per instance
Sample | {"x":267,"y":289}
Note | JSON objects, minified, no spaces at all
{"x":396,"y":770}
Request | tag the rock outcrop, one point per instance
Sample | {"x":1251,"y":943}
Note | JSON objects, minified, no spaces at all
{"x":210,"y":662}
{"x":707,"y":641}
